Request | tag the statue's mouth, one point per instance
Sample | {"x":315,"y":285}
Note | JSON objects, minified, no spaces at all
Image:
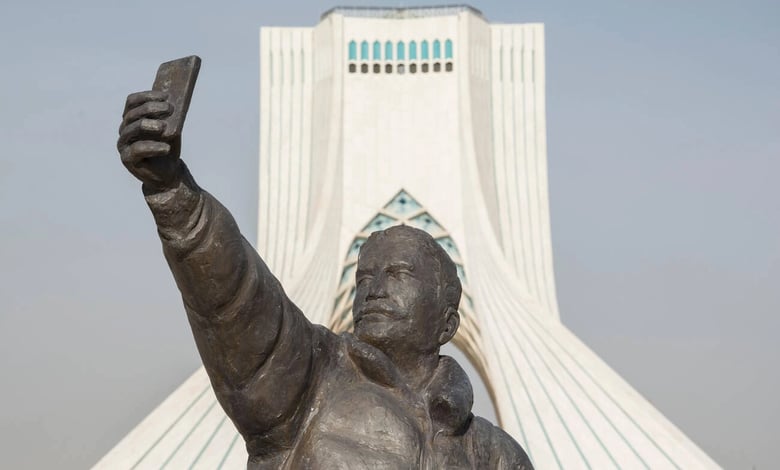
{"x":374,"y":312}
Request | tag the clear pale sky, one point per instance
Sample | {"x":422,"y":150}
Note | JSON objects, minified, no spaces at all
{"x":664,"y":155}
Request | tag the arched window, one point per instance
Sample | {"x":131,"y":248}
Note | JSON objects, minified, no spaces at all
{"x":424,"y":50}
{"x":401,"y":51}
{"x":352,"y":50}
{"x":437,"y":49}
{"x":388,"y":50}
{"x":364,"y":50}
{"x":377,"y":51}
{"x":448,"y":49}
{"x":412,"y":50}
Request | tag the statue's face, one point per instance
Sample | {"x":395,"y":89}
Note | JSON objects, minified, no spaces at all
{"x":397,"y":301}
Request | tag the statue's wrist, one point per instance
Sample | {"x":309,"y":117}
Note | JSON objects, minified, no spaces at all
{"x":180,"y":176}
{"x":180,"y":191}
{"x":175,"y":208}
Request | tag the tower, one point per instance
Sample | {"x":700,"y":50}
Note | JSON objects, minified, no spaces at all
{"x":431,"y":117}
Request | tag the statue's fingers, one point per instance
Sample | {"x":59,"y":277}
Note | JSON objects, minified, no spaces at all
{"x":150,"y":109}
{"x":142,"y":129}
{"x":136,"y":99}
{"x":144,"y":149}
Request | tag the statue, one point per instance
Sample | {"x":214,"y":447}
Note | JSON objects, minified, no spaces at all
{"x":300,"y":395}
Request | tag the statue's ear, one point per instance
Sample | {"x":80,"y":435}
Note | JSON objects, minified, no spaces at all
{"x":451,"y":324}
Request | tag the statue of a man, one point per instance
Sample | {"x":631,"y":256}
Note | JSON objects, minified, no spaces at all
{"x":301,"y":396}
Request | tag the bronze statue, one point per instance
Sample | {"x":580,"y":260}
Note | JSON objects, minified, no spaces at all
{"x":301,"y":396}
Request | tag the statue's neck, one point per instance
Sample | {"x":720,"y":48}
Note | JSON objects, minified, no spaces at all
{"x":395,"y":367}
{"x":415,"y":370}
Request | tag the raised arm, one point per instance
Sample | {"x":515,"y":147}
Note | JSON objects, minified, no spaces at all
{"x":253,"y":340}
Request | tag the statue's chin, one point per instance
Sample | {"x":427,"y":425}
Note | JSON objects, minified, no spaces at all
{"x":375,"y":333}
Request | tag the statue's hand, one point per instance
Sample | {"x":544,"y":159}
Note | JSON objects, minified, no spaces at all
{"x":144,"y":153}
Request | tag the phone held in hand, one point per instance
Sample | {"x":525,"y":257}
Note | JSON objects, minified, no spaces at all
{"x":177,"y":78}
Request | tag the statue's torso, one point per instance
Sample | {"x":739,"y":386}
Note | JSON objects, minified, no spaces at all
{"x":357,"y":418}
{"x":360,"y":425}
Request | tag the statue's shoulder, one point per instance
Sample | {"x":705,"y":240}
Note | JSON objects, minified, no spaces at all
{"x":492,"y":446}
{"x":327,"y":345}
{"x":334,"y":353}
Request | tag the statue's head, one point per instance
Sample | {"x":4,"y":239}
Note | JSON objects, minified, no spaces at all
{"x":407,"y":292}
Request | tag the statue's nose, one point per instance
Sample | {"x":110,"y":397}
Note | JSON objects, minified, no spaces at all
{"x":378,"y":288}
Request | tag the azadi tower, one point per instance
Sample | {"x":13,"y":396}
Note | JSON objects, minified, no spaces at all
{"x":431,"y":117}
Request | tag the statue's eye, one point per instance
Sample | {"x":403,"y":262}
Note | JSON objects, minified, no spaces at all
{"x":363,"y":278}
{"x":399,"y":272}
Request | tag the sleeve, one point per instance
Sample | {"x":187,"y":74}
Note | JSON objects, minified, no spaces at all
{"x":255,"y":343}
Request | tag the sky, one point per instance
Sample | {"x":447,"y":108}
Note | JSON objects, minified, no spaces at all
{"x":663,"y":151}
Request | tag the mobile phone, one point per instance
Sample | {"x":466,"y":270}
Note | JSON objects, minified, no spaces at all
{"x":177,"y":78}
